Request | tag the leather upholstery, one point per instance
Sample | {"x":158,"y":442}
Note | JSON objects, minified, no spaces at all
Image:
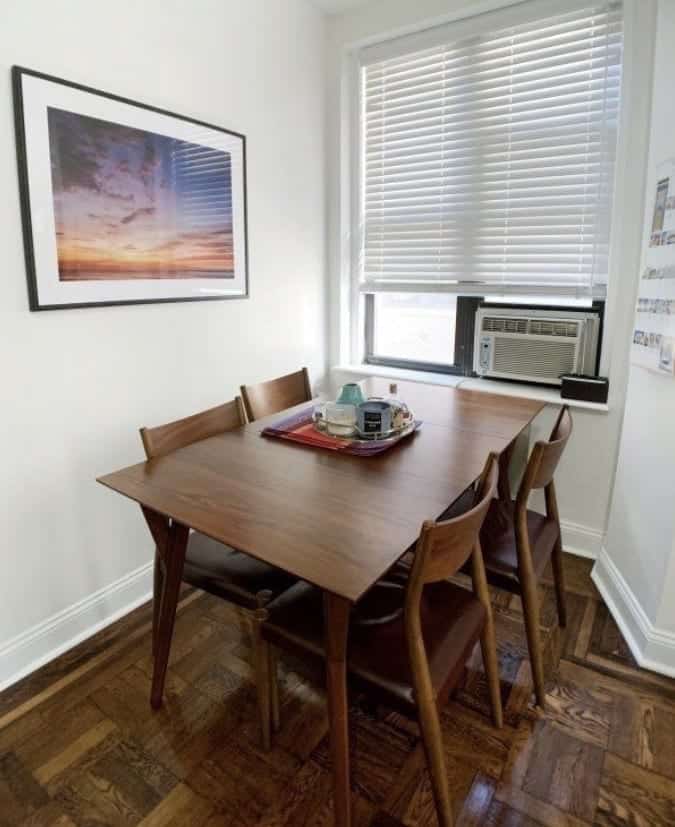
{"x":231,"y":574}
{"x":498,"y":535}
{"x":498,"y":539}
{"x":452,"y":621}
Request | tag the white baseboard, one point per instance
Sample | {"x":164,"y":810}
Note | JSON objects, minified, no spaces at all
{"x":652,"y":648}
{"x":47,"y":640}
{"x":581,"y":540}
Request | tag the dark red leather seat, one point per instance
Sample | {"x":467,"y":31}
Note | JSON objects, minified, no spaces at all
{"x":231,"y":574}
{"x":452,"y":620}
{"x":498,"y":535}
{"x":498,"y":539}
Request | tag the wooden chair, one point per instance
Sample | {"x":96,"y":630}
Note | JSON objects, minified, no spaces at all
{"x":414,"y":658}
{"x":209,"y":565}
{"x":277,"y":394}
{"x":518,"y":543}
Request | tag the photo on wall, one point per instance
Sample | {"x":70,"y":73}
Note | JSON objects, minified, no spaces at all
{"x":123,"y":203}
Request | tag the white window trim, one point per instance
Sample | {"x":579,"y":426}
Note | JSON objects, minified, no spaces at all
{"x":627,"y":210}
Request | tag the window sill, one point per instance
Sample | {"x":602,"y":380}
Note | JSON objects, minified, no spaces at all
{"x":548,"y":395}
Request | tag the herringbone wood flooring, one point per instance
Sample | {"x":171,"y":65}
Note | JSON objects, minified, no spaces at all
{"x":80,"y":746}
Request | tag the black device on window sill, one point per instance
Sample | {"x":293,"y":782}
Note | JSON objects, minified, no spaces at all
{"x":584,"y":388}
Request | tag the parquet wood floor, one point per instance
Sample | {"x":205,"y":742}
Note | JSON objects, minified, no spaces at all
{"x":80,"y":746}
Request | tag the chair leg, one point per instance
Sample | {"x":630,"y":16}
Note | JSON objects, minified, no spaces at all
{"x":433,"y":749}
{"x":274,"y":688}
{"x":488,"y":642}
{"x":530,"y":598}
{"x":488,"y":645}
{"x":559,"y":580}
{"x":557,"y":556}
{"x":262,"y":663}
{"x":157,"y":588}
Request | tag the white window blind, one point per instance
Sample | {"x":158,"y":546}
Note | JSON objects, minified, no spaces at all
{"x":488,"y":162}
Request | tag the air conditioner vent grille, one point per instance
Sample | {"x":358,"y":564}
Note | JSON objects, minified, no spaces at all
{"x":567,"y":328}
{"x":551,"y":327}
{"x":497,"y":324}
{"x":537,"y":358}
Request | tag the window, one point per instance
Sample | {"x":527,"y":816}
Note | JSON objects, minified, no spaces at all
{"x":419,"y":326}
{"x":421,"y":331}
{"x":487,"y":152}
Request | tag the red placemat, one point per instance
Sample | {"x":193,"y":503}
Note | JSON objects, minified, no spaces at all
{"x":299,"y":428}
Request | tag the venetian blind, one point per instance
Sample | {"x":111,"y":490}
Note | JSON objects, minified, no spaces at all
{"x":488,"y":162}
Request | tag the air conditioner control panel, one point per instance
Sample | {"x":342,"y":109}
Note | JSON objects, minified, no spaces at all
{"x":484,"y":353}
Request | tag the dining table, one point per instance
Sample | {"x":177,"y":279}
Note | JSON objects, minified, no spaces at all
{"x":336,"y":520}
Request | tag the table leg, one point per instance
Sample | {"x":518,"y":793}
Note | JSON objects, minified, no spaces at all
{"x":173,"y":555}
{"x":157,"y":590}
{"x":159,"y":528}
{"x":336,"y":618}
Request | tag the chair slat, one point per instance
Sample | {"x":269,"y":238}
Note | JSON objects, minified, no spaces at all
{"x":174,"y":435}
{"x":553,"y":449}
{"x":277,"y":394}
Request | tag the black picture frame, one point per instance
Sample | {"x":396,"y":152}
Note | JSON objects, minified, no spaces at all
{"x":35,"y":304}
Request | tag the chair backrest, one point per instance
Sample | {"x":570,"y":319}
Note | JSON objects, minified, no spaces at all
{"x":174,"y":435}
{"x":444,"y":547}
{"x":544,"y":458}
{"x":276,"y":395}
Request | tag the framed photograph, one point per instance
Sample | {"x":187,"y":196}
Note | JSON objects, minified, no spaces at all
{"x":124,"y":203}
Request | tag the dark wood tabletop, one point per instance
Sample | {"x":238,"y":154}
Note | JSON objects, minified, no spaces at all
{"x":335,"y":520}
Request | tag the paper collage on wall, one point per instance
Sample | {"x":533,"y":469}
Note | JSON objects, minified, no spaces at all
{"x":654,"y":331}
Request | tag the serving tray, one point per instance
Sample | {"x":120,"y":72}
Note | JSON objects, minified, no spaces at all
{"x":301,"y":427}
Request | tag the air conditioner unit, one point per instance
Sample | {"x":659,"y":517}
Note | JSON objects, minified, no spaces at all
{"x":535,"y":344}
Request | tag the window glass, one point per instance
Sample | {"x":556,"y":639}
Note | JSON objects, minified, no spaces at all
{"x":415,"y":326}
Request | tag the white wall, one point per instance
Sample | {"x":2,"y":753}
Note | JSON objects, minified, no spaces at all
{"x":637,"y":567}
{"x":587,"y":471}
{"x":77,"y":384}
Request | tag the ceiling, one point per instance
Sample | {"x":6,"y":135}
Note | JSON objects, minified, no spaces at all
{"x":339,"y":6}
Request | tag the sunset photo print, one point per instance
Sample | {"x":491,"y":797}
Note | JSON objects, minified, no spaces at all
{"x":125,"y":203}
{"x":132,"y":204}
